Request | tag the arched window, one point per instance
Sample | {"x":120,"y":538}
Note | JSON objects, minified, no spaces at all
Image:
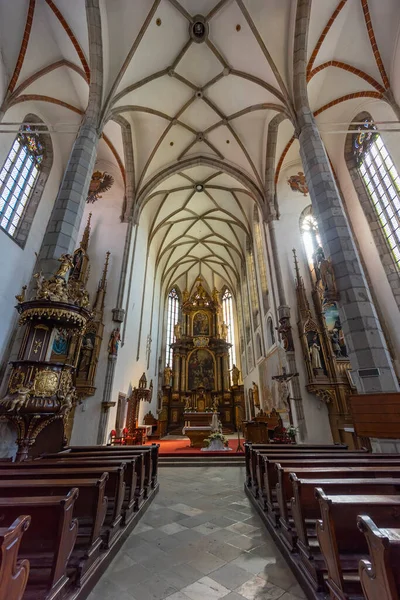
{"x":252,"y":278}
{"x":172,"y":319}
{"x":227,"y":314}
{"x":377,"y":183}
{"x":270,"y":332}
{"x":310,"y":235}
{"x":18,"y":179}
{"x":261,"y":260}
{"x":382,"y":181}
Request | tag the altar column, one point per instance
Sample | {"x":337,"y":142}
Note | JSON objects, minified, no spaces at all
{"x":225,"y":366}
{"x":176,"y":372}
{"x":218,"y":374}
{"x":183,"y":374}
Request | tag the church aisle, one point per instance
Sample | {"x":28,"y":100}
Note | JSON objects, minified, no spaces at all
{"x":199,"y":540}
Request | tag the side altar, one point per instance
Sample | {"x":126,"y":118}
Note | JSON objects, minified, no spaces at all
{"x":198,"y":380}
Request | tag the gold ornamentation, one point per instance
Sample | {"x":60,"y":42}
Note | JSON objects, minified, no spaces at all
{"x":17,"y":379}
{"x":21,"y":297}
{"x":50,"y":312}
{"x":65,"y":383}
{"x":201,"y":341}
{"x":36,"y":346}
{"x":45,"y":383}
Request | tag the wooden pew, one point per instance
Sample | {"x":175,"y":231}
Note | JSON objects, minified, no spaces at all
{"x":90,"y":509}
{"x":48,"y":542}
{"x":137,"y":475}
{"x":341,"y":543}
{"x":134,"y":476}
{"x":284,"y":491}
{"x":271,"y":472}
{"x":154,"y":450}
{"x":380,"y":576}
{"x":301,"y":534}
{"x":250,"y":449}
{"x":14,"y":573}
{"x":114,"y":490}
{"x":259,"y":463}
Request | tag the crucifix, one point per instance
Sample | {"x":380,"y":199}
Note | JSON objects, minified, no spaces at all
{"x":284,"y":392}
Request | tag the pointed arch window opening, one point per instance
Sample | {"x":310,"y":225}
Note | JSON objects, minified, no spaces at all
{"x":227,"y":314}
{"x":311,"y":237}
{"x":18,"y":178}
{"x":382,"y":181}
{"x":261,"y":265}
{"x":172,"y":319}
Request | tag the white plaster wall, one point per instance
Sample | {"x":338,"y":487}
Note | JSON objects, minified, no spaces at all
{"x":380,"y":111}
{"x":17,"y":263}
{"x":132,"y":363}
{"x":107,"y":234}
{"x":291,"y":205}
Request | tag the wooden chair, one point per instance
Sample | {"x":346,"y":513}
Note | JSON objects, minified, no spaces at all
{"x":14,"y":573}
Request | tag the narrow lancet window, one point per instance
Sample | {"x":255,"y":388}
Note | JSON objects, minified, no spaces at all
{"x":172,"y":319}
{"x":17,"y":179}
{"x":227,"y":313}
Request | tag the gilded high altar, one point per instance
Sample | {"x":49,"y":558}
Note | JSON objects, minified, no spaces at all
{"x":200,"y":371}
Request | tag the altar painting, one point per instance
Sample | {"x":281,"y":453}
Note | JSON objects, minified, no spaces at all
{"x":201,"y":324}
{"x":201,"y":370}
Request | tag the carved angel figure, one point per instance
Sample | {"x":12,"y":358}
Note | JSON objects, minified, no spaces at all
{"x":20,"y":400}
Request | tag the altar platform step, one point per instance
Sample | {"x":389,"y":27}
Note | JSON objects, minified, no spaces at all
{"x":204,"y":460}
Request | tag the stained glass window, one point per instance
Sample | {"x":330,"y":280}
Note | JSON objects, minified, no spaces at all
{"x":227,"y":314}
{"x":172,"y":319}
{"x":18,"y":177}
{"x":382,"y":181}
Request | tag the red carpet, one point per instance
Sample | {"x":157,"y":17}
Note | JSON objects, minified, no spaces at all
{"x":182,"y":447}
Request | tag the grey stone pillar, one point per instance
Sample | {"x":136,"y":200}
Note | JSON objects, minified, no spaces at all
{"x":63,"y":227}
{"x":106,"y":402}
{"x":369,"y":356}
{"x":364,"y":336}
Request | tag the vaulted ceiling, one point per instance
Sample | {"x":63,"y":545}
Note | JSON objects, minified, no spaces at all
{"x":197,"y":109}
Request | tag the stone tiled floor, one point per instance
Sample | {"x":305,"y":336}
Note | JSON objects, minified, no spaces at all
{"x":199,"y":540}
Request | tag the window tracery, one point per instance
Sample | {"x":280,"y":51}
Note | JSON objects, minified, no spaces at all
{"x":18,"y":178}
{"x":227,"y":313}
{"x":382,"y":182}
{"x":172,"y":319}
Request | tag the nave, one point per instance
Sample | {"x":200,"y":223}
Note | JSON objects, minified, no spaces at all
{"x":200,"y":539}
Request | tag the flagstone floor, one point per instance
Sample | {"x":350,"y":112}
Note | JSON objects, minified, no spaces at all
{"x":199,"y":540}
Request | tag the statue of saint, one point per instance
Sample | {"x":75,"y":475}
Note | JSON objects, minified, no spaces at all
{"x":113,"y":344}
{"x":187,"y":403}
{"x":215,"y":404}
{"x":86,"y":354}
{"x":335,"y":343}
{"x":178,"y":331}
{"x":327,"y":278}
{"x":65,"y":266}
{"x":315,"y":354}
{"x":185,"y":296}
{"x":224,"y":331}
{"x":256,"y":395}
{"x":235,"y":375}
{"x":215,"y":296}
{"x":167,"y":376}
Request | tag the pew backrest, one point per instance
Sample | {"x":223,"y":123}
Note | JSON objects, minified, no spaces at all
{"x":14,"y":573}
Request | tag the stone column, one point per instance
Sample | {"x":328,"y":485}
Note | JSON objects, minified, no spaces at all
{"x":363,"y":332}
{"x":63,"y":227}
{"x":106,"y":403}
{"x":369,"y":356}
